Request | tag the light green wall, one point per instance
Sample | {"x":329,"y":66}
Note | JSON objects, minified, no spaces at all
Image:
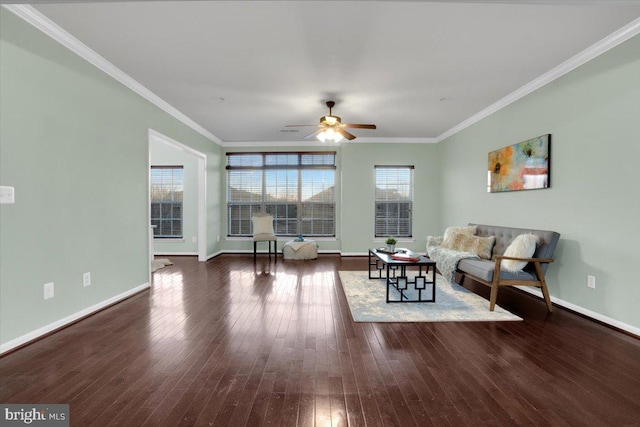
{"x":355,"y":191}
{"x":163,"y":154}
{"x":358,"y":192}
{"x":593,"y":114}
{"x":73,"y":143}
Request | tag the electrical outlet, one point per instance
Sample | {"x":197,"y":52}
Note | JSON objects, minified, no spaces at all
{"x":86,"y":279}
{"x":218,"y":238}
{"x":591,"y":281}
{"x":194,"y":239}
{"x":48,"y":290}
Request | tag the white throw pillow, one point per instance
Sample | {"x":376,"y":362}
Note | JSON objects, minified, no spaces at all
{"x":523,"y":246}
{"x":262,"y":225}
{"x":467,"y":229}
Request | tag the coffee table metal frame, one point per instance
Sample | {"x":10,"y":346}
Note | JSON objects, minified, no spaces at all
{"x":396,"y":275}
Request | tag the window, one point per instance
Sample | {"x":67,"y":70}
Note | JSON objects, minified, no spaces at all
{"x":166,"y":201}
{"x":394,"y":201}
{"x":296,"y":188}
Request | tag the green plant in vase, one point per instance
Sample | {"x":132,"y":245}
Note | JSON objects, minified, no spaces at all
{"x":391,"y":244}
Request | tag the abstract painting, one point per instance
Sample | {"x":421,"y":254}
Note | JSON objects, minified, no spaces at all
{"x":522,"y":166}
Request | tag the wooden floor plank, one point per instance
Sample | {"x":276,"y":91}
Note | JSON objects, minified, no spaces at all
{"x":233,"y":342}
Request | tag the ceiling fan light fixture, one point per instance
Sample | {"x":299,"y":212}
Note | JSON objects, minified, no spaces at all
{"x":331,"y":128}
{"x":329,"y":135}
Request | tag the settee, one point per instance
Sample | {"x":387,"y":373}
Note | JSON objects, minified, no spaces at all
{"x":492,"y":271}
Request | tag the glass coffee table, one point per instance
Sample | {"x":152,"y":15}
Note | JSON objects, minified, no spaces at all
{"x":418,"y":288}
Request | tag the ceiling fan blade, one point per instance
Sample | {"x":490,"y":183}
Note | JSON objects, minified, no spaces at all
{"x":297,"y":126}
{"x":345,"y":134}
{"x":313,"y":134}
{"x":358,"y":126}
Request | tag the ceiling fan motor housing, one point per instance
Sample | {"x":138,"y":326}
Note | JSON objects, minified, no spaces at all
{"x":330,"y":121}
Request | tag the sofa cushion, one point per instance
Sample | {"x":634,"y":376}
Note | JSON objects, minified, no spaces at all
{"x":523,"y":246}
{"x":483,"y":269}
{"x":466,"y":229}
{"x":461,"y":242}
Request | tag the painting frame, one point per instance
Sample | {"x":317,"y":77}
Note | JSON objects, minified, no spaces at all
{"x":520,"y":167}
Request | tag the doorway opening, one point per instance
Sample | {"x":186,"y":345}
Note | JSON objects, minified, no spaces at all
{"x":155,"y":137}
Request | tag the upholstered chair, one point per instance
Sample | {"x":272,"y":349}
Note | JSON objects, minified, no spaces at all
{"x":263,"y":232}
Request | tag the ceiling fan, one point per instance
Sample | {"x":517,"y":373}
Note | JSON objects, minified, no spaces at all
{"x":332,"y":129}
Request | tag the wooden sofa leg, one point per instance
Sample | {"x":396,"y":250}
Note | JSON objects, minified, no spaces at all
{"x":547,"y":298}
{"x":494,"y":296}
{"x":543,"y":287}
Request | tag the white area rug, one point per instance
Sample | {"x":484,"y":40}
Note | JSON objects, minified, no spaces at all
{"x":157,"y":264}
{"x":367,"y":301}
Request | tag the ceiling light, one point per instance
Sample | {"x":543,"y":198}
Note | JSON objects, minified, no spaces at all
{"x":329,"y":135}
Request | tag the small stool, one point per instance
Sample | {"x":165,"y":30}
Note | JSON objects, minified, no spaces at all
{"x":295,"y":249}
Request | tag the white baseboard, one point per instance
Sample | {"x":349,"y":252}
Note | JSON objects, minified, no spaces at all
{"x":264,"y":252}
{"x":175,"y":253}
{"x":584,"y":311}
{"x":9,"y":345}
{"x":354,"y":253}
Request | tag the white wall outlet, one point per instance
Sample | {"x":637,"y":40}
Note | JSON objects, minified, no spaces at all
{"x":591,"y":281}
{"x":218,"y":238}
{"x":48,"y":290}
{"x":86,"y":279}
{"x":7,"y":195}
{"x":194,"y":239}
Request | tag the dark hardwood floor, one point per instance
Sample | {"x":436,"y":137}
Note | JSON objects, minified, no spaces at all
{"x":228,"y":342}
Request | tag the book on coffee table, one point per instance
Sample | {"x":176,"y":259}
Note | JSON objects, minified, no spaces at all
{"x":405,"y":257}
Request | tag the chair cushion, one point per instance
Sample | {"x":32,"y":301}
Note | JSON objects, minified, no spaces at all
{"x":262,"y":224}
{"x":264,"y":238}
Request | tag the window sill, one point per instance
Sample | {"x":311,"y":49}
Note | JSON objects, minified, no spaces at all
{"x":284,"y":238}
{"x":169,"y":240}
{"x":398,"y":240}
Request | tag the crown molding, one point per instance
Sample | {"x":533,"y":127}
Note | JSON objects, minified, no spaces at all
{"x":382,"y":140}
{"x":51,"y":29}
{"x":310,"y":143}
{"x":612,"y":40}
{"x":316,"y":143}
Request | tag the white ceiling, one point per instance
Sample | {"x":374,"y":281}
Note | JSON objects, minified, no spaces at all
{"x":244,"y":69}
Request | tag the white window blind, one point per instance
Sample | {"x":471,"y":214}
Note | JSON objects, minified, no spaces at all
{"x":296,"y":188}
{"x":166,"y":201}
{"x":394,"y":201}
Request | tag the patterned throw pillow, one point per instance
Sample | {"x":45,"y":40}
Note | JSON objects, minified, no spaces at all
{"x":481,"y":246}
{"x":467,"y":229}
{"x":523,"y":246}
